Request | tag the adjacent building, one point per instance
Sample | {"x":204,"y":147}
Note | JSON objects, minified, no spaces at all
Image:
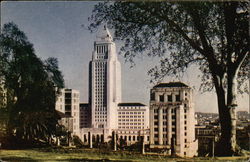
{"x":85,"y":115}
{"x":68,"y":103}
{"x":172,"y":121}
{"x":133,"y":122}
{"x":207,"y":137}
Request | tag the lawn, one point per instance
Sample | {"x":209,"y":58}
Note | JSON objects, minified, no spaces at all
{"x":68,"y":154}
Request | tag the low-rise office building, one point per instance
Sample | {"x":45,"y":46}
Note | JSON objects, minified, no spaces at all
{"x":133,"y":122}
{"x":172,"y":120}
{"x":68,"y":103}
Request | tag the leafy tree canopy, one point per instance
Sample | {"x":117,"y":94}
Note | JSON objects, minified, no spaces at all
{"x":30,"y":87}
{"x":182,"y":34}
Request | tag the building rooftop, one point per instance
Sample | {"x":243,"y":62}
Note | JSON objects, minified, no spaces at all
{"x":171,"y":84}
{"x":130,"y":104}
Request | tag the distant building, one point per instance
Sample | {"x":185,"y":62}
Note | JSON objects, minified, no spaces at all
{"x":242,"y":115}
{"x":133,"y":122}
{"x":207,"y":137}
{"x":68,"y":103}
{"x":85,"y":115}
{"x":66,"y":121}
{"x":207,"y":119}
{"x":172,"y":121}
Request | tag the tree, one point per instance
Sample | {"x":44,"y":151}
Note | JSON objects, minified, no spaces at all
{"x":212,"y":35}
{"x":30,"y":88}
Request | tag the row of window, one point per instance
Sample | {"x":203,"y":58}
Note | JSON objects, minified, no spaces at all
{"x":156,"y":116}
{"x":102,"y":69}
{"x":128,"y":116}
{"x":100,"y":63}
{"x":102,"y":112}
{"x":133,"y":138}
{"x":102,"y":116}
{"x":123,"y":127}
{"x":100,"y":120}
{"x":130,"y":112}
{"x":162,"y":98}
{"x":130,"y":123}
{"x":131,"y":120}
{"x":101,"y":49}
{"x":129,"y":107}
{"x":100,"y":108}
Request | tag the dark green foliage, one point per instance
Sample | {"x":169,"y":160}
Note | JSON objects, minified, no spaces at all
{"x":77,"y":142}
{"x":30,"y":87}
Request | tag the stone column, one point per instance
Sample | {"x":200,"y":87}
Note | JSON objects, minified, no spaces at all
{"x":90,"y":140}
{"x":114,"y":140}
{"x":169,"y":124}
{"x":160,"y":126}
{"x":152,"y":120}
{"x":180,"y":131}
{"x":143,"y":144}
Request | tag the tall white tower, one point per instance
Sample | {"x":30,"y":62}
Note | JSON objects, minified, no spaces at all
{"x":104,"y":82}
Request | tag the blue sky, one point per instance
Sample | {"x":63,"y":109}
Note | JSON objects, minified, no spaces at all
{"x":55,"y":29}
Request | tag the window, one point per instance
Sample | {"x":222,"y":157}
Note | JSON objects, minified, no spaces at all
{"x":156,"y":117}
{"x":156,"y":129}
{"x":161,"y":98}
{"x":177,"y":98}
{"x":152,"y":96}
{"x":170,"y":98}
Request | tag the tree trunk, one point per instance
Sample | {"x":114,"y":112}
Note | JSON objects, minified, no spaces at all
{"x":227,"y":144}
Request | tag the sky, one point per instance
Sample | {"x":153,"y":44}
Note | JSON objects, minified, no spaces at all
{"x":55,"y":29}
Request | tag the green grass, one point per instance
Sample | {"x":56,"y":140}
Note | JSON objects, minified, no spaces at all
{"x":94,"y":155}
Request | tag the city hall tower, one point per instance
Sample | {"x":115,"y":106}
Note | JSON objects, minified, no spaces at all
{"x":104,"y":82}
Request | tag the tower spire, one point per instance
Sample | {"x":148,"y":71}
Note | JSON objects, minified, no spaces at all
{"x":103,"y":34}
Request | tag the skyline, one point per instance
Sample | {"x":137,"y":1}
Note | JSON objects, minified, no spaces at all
{"x":54,"y":28}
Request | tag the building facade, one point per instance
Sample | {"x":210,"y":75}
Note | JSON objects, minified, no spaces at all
{"x":104,"y":82}
{"x":207,"y":137}
{"x":85,"y":115}
{"x":172,"y":121}
{"x":68,"y":103}
{"x":133,"y":122}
